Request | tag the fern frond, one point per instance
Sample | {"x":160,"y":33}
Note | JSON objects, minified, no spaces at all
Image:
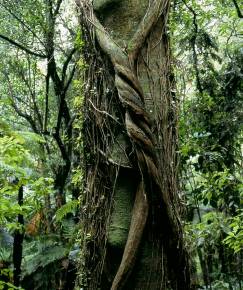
{"x":69,"y":207}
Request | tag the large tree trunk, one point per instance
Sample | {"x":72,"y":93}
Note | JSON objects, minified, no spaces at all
{"x":132,"y":232}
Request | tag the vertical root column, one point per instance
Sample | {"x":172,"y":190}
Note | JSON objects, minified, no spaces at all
{"x":138,"y":222}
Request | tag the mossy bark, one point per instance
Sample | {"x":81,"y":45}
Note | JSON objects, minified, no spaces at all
{"x":114,"y":174}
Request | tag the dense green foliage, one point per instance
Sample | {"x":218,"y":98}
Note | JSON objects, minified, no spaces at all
{"x":41,"y":138}
{"x":210,"y":82}
{"x":38,"y":46}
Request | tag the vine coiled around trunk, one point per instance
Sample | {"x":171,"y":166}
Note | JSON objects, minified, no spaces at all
{"x":138,"y":127}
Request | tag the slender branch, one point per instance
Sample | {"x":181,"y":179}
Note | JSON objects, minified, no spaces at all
{"x":64,"y":24}
{"x":46,"y":102}
{"x":69,"y":125}
{"x":50,"y":7}
{"x":66,"y":63}
{"x":20,"y":46}
{"x":32,"y":95}
{"x":61,"y":146}
{"x":103,"y":112}
{"x":240,"y":15}
{"x":63,"y":111}
{"x":70,"y":79}
{"x":52,"y":70}
{"x":22,"y":22}
{"x":59,"y":2}
{"x":27,"y":117}
{"x":193,"y":42}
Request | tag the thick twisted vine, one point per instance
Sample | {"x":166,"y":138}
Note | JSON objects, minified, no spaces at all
{"x":138,"y":127}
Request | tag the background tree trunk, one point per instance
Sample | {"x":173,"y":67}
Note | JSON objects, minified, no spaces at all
{"x":18,"y":241}
{"x":133,"y":236}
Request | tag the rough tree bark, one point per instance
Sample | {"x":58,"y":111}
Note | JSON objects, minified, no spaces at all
{"x":132,"y":231}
